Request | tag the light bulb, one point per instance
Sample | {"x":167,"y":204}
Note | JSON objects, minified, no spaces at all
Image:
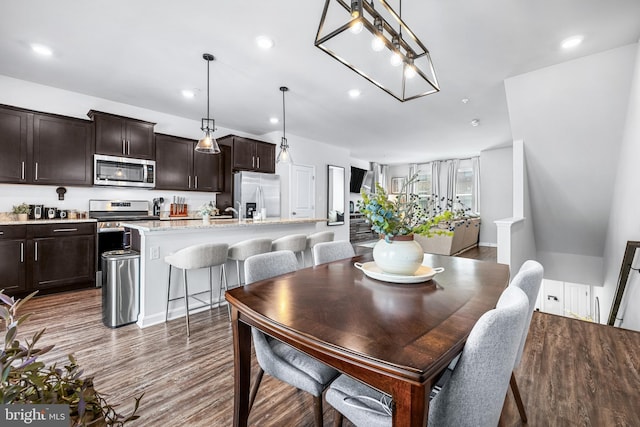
{"x":377,"y":44}
{"x":357,"y":27}
{"x":396,"y":59}
{"x":410,"y":71}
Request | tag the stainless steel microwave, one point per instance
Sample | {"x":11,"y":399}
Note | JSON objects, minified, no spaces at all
{"x":123,"y":171}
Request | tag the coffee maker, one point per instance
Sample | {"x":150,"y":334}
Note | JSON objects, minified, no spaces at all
{"x":156,"y":205}
{"x":36,"y":211}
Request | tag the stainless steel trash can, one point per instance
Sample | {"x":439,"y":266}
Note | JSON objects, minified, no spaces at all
{"x":120,"y":287}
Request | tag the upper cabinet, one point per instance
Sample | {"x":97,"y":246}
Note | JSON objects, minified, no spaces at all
{"x":38,"y":148}
{"x":250,"y":154}
{"x":123,"y":136}
{"x":180,"y":167}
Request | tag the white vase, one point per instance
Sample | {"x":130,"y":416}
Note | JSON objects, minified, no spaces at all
{"x":402,"y":255}
{"x":205,"y":219}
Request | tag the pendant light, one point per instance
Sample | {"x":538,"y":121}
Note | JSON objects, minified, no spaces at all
{"x":208,"y":144}
{"x":284,"y":156}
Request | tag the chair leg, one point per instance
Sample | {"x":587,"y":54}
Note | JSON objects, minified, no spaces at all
{"x":238,"y":272}
{"x":223,"y":279}
{"x":186,"y":298}
{"x":516,"y":395}
{"x":210,"y":288}
{"x":337,"y":419}
{"x":166,"y":313}
{"x":317,"y":410}
{"x":254,"y":389}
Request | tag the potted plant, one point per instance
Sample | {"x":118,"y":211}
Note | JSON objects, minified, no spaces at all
{"x":396,"y":219}
{"x":21,"y":211}
{"x":207,"y":210}
{"x":25,"y":380}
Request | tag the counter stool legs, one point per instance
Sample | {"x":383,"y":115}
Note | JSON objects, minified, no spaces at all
{"x":223,"y":279}
{"x":186,"y":298}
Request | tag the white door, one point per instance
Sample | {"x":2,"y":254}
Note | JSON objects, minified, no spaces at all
{"x":302,"y":191}
{"x":577,"y":300}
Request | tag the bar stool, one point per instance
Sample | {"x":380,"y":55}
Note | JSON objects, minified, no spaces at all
{"x":315,"y":238}
{"x":207,"y":255}
{"x":242,"y":250}
{"x":295,"y":243}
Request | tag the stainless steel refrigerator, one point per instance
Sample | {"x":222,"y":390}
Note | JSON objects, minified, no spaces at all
{"x":256,"y":191}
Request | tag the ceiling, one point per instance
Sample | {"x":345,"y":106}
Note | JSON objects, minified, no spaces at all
{"x":145,"y":52}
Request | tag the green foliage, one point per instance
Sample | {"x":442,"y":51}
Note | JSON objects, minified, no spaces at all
{"x":27,"y":380}
{"x":208,"y":208}
{"x":22,"y":208}
{"x":403,"y":215}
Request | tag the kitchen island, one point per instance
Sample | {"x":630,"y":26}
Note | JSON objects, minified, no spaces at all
{"x":157,"y":239}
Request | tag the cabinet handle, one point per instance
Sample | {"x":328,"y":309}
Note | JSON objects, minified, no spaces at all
{"x":196,"y":182}
{"x":124,"y":145}
{"x":128,"y":147}
{"x":253,"y":161}
{"x":1,"y":233}
{"x":36,"y":171}
{"x":62,"y":230}
{"x":21,"y":252}
{"x":258,"y":162}
{"x":189,"y":181}
{"x":22,"y":170}
{"x":36,"y":251}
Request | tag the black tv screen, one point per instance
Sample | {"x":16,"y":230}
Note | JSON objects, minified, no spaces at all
{"x":357,"y":176}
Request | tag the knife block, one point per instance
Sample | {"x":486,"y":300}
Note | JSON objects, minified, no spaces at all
{"x":177,"y":210}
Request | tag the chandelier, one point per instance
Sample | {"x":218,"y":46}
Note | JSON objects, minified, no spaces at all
{"x":388,"y":53}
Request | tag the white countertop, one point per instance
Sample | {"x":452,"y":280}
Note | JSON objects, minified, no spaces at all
{"x":44,"y":221}
{"x":177,"y":225}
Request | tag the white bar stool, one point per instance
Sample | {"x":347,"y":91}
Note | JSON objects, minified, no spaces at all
{"x":207,"y":255}
{"x":319,"y":237}
{"x":295,"y":243}
{"x":242,"y":250}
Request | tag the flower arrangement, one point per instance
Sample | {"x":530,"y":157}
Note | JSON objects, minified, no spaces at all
{"x":22,"y":208}
{"x":208,"y":208}
{"x":403,"y":214}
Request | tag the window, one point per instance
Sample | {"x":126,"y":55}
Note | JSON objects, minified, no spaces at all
{"x":423,"y":187}
{"x":464,"y":183}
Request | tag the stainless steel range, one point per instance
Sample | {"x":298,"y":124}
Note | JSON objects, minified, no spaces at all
{"x":111,"y":234}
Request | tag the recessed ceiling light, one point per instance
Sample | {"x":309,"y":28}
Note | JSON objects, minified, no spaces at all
{"x":475,"y":122}
{"x":264,"y":42}
{"x":464,"y":100}
{"x":354,"y":93}
{"x":572,"y":42}
{"x":41,"y":49}
{"x":188,"y":93}
{"x":274,"y":120}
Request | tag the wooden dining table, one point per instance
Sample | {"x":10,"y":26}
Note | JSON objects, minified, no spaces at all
{"x":395,"y":337}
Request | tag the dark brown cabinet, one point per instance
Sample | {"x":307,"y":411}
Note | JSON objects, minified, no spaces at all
{"x":180,"y":167}
{"x":251,"y":155}
{"x":39,"y":148}
{"x":62,"y":256}
{"x":13,"y":268}
{"x":123,"y":136}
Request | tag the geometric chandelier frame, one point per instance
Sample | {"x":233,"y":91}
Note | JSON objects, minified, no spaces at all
{"x":407,"y":74}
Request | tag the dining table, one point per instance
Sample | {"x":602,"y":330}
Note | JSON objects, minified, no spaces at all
{"x":395,"y":337}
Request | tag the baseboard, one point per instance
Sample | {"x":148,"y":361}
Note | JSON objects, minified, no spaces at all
{"x":491,"y":245}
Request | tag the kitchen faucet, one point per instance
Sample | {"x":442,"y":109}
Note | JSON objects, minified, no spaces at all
{"x":237,"y":212}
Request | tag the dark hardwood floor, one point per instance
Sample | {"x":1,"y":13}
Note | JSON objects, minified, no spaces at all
{"x":573,"y":373}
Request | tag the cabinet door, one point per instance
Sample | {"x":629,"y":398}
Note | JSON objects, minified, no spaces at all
{"x":12,"y":266}
{"x":110,"y":135}
{"x":62,"y":150}
{"x":244,"y":155}
{"x":13,"y":145}
{"x":174,"y":158}
{"x":265,"y":157}
{"x":139,"y":140}
{"x":63,"y":261}
{"x":208,"y":171}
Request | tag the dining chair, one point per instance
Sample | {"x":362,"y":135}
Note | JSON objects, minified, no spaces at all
{"x":240,"y":251}
{"x":318,"y":237}
{"x":276,"y":358}
{"x":529,"y":279}
{"x":332,"y":251}
{"x":474,"y":394}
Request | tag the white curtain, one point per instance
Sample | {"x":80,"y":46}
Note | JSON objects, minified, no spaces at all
{"x":475,"y":205}
{"x":435,"y":178}
{"x":452,"y":171}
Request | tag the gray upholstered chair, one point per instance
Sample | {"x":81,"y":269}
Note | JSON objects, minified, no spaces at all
{"x":276,"y":358}
{"x":207,"y":255}
{"x":529,"y":279}
{"x":295,"y":243}
{"x":319,"y":237}
{"x":332,"y":251}
{"x":242,"y":250}
{"x":474,"y":394}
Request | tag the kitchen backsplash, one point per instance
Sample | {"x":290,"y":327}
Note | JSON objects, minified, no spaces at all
{"x":78,"y":197}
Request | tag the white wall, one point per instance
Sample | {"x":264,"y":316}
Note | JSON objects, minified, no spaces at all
{"x":624,"y":222}
{"x":496,"y":190}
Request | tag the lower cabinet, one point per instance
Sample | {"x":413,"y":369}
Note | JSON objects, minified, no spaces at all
{"x":50,"y":257}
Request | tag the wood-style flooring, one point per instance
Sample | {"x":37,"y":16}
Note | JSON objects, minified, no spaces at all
{"x":573,"y":373}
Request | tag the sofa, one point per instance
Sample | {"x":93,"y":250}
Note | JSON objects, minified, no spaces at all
{"x":465,"y":236}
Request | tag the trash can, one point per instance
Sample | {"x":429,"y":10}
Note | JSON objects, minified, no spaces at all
{"x":120,"y":287}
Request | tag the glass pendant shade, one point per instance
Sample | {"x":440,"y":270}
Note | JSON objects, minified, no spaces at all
{"x":207,"y":144}
{"x":284,"y":156}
